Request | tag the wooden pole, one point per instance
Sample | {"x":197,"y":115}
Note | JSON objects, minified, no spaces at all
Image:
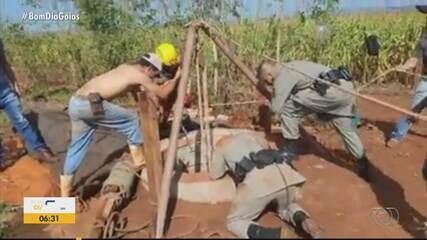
{"x":395,"y":69}
{"x":176,"y":126}
{"x":208,"y":150}
{"x":150,"y":131}
{"x":382,"y":75}
{"x":215,"y":55}
{"x":200,"y":108}
{"x":278,"y":44}
{"x":233,"y":58}
{"x":246,"y":71}
{"x":362,"y":96}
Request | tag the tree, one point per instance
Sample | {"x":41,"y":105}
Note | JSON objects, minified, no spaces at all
{"x":218,"y":10}
{"x":102,"y":16}
{"x":322,"y":8}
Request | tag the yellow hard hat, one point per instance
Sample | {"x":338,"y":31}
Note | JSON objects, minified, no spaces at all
{"x":167,"y":54}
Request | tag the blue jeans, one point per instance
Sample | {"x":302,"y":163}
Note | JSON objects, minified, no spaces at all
{"x":84,"y":123}
{"x":402,"y":126}
{"x":10,"y":104}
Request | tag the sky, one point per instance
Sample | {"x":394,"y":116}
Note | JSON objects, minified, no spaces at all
{"x":13,"y":10}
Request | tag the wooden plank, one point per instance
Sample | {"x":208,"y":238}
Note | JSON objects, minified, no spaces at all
{"x":176,"y":126}
{"x":225,"y":49}
{"x":200,"y":107}
{"x":150,"y":132}
{"x":206,"y":122}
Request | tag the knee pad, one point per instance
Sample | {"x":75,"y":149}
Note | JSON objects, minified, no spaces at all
{"x":260,"y":232}
{"x":298,"y":218}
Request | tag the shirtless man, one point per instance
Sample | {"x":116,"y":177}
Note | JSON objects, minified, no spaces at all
{"x":90,"y":108}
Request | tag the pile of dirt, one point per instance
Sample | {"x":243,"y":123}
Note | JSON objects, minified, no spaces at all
{"x":27,"y":178}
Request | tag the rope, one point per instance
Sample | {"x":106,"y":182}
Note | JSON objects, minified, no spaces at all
{"x":192,"y":230}
{"x":250,"y":102}
{"x":410,"y":73}
{"x":115,"y":224}
{"x":108,"y":229}
{"x":384,"y":104}
{"x":386,"y":73}
{"x":83,"y":205}
{"x":133,"y":230}
{"x":269,"y":58}
{"x":375,"y":79}
{"x":214,"y":233}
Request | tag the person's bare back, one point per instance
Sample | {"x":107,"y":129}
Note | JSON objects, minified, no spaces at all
{"x":115,"y":82}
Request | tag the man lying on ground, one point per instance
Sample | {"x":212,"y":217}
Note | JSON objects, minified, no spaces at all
{"x":297,"y":95}
{"x":11,"y":105}
{"x":262,"y":176}
{"x":90,"y":107}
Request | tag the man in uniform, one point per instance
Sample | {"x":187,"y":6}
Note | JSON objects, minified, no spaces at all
{"x":297,"y":95}
{"x":262,"y":176}
{"x":90,"y":107}
{"x":417,"y":63}
{"x":11,"y":105}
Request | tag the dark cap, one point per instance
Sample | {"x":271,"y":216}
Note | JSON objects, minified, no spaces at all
{"x":421,"y":8}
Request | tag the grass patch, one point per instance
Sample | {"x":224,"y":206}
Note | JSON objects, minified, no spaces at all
{"x":4,"y":229}
{"x":47,"y":61}
{"x":4,"y":121}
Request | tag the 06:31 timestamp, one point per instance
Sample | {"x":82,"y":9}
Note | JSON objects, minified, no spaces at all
{"x":49,"y":218}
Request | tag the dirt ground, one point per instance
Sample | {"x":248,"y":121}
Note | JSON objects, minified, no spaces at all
{"x":342,"y":203}
{"x":26,"y":178}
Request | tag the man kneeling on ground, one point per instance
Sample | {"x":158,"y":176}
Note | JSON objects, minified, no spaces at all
{"x":90,"y":108}
{"x":262,"y":176}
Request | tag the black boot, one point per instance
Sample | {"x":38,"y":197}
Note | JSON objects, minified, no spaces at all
{"x":291,"y":149}
{"x":260,"y":232}
{"x":363,"y":168}
{"x":303,"y":222}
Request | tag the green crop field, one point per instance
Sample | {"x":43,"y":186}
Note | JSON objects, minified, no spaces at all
{"x":57,"y":63}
